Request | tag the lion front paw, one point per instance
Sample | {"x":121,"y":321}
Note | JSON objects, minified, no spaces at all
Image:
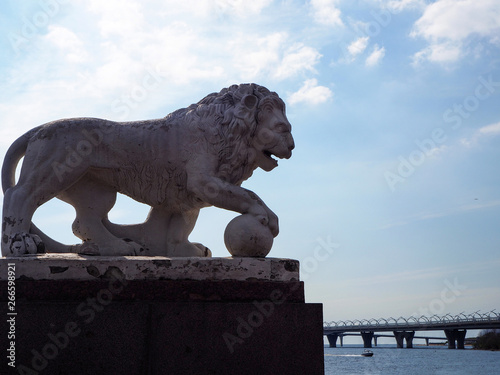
{"x":118,"y":247}
{"x":204,"y":251}
{"x":267,"y":218}
{"x":184,"y":249}
{"x":25,"y":244}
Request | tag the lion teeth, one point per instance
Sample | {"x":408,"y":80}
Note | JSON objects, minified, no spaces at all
{"x":269,"y":155}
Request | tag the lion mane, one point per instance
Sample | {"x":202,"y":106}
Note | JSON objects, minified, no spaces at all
{"x":229,"y":133}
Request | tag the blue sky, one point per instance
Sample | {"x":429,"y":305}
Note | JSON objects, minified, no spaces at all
{"x":391,"y":199}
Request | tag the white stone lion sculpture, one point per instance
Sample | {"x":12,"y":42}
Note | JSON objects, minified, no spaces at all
{"x":193,"y":158}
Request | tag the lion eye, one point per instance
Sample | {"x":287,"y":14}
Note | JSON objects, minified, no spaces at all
{"x":281,"y":128}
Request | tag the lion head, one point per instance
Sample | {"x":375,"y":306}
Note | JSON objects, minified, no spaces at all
{"x":246,"y":126}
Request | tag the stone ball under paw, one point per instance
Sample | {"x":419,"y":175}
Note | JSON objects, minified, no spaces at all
{"x":245,"y":236}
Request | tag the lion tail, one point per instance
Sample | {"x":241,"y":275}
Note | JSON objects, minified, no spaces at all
{"x":14,"y":154}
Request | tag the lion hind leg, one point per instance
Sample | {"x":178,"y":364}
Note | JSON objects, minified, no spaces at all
{"x":35,"y":187}
{"x":180,"y":226}
{"x":18,"y":209}
{"x":97,"y":240}
{"x":92,"y":201}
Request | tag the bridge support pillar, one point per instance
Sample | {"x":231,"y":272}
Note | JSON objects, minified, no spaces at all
{"x":456,"y":338}
{"x":450,"y":335}
{"x":332,"y":339}
{"x":461,"y":338}
{"x":375,"y":340}
{"x":409,"y":338}
{"x":427,"y":341}
{"x":367,"y":338}
{"x":399,"y":336}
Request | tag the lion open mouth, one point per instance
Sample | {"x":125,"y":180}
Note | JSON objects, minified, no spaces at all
{"x":270,"y":158}
{"x":266,"y":160}
{"x":269,"y":155}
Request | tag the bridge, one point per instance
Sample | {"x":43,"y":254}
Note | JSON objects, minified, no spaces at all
{"x":403,"y":329}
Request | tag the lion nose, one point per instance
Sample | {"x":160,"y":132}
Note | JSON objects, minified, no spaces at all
{"x":290,"y":148}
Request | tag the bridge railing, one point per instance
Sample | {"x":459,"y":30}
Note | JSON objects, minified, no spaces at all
{"x":422,"y":321}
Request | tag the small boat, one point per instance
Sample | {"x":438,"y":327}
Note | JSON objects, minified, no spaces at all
{"x":367,"y":353}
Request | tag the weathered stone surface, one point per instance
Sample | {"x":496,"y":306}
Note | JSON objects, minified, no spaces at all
{"x":79,"y":338}
{"x":77,"y":267}
{"x":158,"y":338}
{"x":240,"y":339}
{"x":193,"y":158}
{"x":156,"y":315}
{"x":157,"y":290}
{"x":245,"y":236}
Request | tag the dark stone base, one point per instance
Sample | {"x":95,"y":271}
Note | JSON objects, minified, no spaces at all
{"x":162,"y":327}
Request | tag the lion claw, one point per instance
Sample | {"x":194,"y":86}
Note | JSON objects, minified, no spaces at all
{"x":88,"y":248}
{"x":26,"y":244}
{"x":263,"y":220}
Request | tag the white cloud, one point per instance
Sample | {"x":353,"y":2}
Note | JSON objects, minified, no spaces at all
{"x":67,"y":42}
{"x":449,"y":26}
{"x":203,"y":10}
{"x":456,"y":20}
{"x":492,"y":129}
{"x":358,"y":46}
{"x":325,"y":12}
{"x":254,"y":56}
{"x":118,"y":17}
{"x":173,"y":35}
{"x":429,"y":215}
{"x":296,"y":59}
{"x":272,"y":55}
{"x":99,"y":53}
{"x":377,"y":54}
{"x":442,"y":53}
{"x":178,"y":49}
{"x":240,"y":8}
{"x":311,"y":93}
{"x":400,"y":5}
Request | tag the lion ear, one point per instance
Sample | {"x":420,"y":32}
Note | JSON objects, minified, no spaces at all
{"x":250,"y":101}
{"x":245,"y":109}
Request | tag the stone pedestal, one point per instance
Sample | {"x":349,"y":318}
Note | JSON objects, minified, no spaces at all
{"x":154,"y":315}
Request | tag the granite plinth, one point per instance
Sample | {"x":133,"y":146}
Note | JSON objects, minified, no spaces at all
{"x":110,"y":323}
{"x":78,"y":267}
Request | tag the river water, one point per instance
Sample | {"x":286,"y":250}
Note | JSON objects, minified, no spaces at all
{"x":432,"y":360}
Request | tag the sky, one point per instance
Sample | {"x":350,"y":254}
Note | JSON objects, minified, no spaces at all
{"x":391,"y":199}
